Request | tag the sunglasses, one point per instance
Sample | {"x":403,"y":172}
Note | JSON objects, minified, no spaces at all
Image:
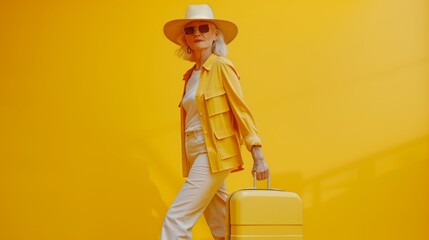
{"x":202,"y":29}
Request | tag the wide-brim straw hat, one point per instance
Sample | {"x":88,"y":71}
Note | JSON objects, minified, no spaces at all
{"x":173,"y":29}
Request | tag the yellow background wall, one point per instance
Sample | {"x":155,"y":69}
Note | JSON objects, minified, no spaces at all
{"x":89,"y":124}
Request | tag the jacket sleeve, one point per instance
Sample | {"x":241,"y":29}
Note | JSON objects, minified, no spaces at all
{"x":243,"y":116}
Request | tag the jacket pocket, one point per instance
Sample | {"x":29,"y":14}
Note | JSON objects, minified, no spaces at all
{"x":216,"y":101}
{"x":227,"y":143}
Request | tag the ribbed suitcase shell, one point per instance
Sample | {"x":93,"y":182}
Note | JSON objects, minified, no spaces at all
{"x":256,"y":214}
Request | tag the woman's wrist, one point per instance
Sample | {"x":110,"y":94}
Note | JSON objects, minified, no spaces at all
{"x":256,"y":148}
{"x":257,"y":155}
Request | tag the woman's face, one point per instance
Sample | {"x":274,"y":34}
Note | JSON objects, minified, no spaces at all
{"x":199,"y":35}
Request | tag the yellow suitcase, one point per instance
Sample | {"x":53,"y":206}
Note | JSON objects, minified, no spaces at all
{"x":269,"y":214}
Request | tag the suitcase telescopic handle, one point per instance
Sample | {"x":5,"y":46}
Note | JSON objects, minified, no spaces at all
{"x":268,"y":181}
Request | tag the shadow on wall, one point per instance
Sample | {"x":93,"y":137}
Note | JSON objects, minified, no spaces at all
{"x":131,"y":205}
{"x":382,"y":196}
{"x":100,"y":189}
{"x":152,"y":204}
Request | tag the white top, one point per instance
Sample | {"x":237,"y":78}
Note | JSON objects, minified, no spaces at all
{"x":192,"y":120}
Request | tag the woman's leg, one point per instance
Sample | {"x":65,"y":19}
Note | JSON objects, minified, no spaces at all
{"x":196,"y":194}
{"x":215,"y":213}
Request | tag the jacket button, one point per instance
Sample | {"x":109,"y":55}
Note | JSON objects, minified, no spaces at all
{"x":201,"y":114}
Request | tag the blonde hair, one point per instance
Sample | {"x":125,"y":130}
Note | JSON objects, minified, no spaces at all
{"x":219,"y":47}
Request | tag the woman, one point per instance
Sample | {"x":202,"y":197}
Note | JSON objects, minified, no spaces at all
{"x":215,"y":121}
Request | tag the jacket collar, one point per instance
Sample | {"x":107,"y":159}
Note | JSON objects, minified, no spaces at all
{"x":209,"y":62}
{"x":207,"y":66}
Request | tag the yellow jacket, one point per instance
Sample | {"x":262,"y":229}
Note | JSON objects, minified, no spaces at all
{"x":225,"y":117}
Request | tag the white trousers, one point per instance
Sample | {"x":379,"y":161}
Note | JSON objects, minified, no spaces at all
{"x":202,"y":192}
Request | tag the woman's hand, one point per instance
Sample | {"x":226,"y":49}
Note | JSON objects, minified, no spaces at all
{"x":260,"y":167}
